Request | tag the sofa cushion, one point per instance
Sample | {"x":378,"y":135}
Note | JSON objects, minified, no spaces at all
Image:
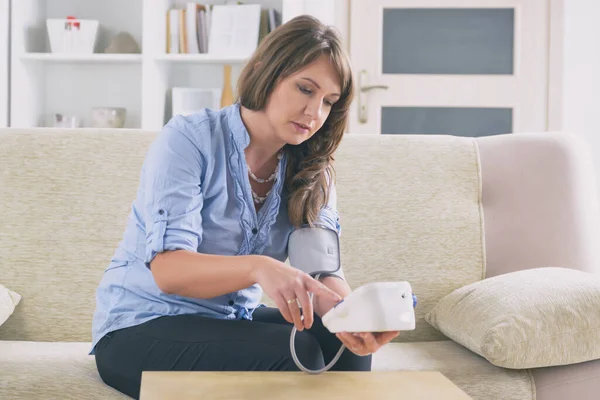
{"x":474,"y":375}
{"x":43,"y":370}
{"x":8,"y":301}
{"x":484,"y":381}
{"x":527,"y":319}
{"x":50,"y":370}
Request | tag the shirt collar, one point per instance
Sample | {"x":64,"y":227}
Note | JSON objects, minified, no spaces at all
{"x":238,"y":129}
{"x":242,"y":137}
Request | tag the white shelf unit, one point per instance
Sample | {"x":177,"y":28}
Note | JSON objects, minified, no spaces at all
{"x":45,"y":83}
{"x":162,"y":71}
{"x":83,"y":58}
{"x":199,"y":58}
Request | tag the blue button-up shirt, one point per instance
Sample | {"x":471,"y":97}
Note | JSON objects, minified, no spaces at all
{"x":194,"y":194}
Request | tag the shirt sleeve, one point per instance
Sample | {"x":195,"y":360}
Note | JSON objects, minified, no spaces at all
{"x":173,"y":200}
{"x":329,"y":216}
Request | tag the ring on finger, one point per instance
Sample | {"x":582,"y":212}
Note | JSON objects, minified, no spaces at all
{"x":294,"y":300}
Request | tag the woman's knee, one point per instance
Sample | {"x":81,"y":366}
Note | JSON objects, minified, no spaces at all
{"x":114,"y":372}
{"x":128,"y":385}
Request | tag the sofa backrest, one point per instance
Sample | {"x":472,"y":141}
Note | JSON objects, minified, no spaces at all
{"x":64,"y":200}
{"x":410,"y":210}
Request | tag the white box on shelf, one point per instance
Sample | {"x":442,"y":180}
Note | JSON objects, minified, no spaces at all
{"x":72,"y":35}
{"x":188,"y":101}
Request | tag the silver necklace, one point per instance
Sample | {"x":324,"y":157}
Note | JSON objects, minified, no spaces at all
{"x":261,"y":199}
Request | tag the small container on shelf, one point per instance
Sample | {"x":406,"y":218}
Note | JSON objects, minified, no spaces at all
{"x":108,"y":117}
{"x":66,"y":121}
{"x":72,"y":35}
{"x":189,"y":100}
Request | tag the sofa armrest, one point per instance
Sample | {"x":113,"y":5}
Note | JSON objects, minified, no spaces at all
{"x":576,"y":381}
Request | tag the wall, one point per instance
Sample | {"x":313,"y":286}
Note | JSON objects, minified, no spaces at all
{"x":581,"y":67}
{"x":581,"y":70}
{"x":342,"y":20}
{"x":4,"y":45}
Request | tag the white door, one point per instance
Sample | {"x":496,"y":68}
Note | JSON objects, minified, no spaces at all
{"x":458,"y":67}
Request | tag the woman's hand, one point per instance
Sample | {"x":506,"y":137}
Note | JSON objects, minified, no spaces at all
{"x":324,"y":304}
{"x":289,"y":288}
{"x":365,"y":343}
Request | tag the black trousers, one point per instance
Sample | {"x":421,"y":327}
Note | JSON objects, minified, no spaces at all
{"x":196,"y":343}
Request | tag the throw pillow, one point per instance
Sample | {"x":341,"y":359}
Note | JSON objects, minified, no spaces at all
{"x":8,"y":301}
{"x":527,"y":319}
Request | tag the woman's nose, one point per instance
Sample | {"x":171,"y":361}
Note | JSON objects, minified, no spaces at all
{"x":314,"y":109}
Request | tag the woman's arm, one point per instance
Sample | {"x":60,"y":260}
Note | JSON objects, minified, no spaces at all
{"x":190,"y":274}
{"x":173,"y":202}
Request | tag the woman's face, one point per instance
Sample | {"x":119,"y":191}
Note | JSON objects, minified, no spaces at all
{"x":301,"y":103}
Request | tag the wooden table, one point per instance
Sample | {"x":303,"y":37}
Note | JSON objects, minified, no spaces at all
{"x":331,"y":385}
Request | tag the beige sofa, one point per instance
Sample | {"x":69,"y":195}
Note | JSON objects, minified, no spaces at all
{"x":438,"y":211}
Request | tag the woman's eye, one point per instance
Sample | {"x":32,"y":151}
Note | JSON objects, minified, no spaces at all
{"x":329,"y":103}
{"x":304,"y":90}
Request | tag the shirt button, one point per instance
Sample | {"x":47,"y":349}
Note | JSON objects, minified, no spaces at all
{"x":161,"y":212}
{"x":254,"y":231}
{"x":231,"y":302}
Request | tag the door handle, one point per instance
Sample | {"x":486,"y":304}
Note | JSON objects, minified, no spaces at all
{"x":363,"y":111}
{"x":367,"y":88}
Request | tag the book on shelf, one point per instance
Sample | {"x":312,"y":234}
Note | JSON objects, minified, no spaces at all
{"x":220,"y":29}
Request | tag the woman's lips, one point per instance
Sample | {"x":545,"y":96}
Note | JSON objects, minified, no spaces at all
{"x":300,"y":128}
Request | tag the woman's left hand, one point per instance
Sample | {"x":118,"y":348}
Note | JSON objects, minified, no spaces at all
{"x":365,"y":343}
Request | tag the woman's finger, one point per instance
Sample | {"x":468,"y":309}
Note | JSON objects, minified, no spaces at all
{"x":283,"y":308}
{"x":307,"y":307}
{"x":294,"y":310}
{"x":316,"y":287}
{"x":371,"y":343}
{"x":353,"y":343}
{"x":345,"y":342}
{"x":385,"y":337}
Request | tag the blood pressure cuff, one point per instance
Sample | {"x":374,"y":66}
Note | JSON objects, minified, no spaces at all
{"x":315,"y":250}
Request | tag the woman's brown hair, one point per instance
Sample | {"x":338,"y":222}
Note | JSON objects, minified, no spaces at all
{"x":287,"y":49}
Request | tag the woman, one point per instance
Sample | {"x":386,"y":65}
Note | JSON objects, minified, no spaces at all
{"x":220,"y":193}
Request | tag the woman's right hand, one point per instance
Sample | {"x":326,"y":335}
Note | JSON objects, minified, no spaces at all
{"x":289,"y":288}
